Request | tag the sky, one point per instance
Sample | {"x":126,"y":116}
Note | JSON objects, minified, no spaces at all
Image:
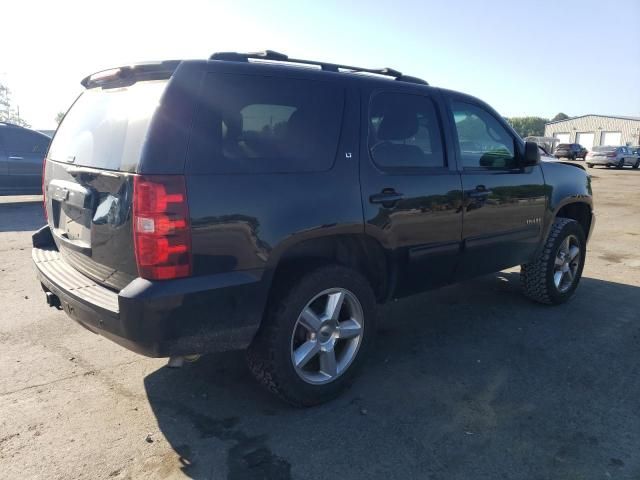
{"x":533,"y":58}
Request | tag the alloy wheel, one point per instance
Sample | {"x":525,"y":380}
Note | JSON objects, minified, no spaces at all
{"x":567,"y":263}
{"x":327,"y":336}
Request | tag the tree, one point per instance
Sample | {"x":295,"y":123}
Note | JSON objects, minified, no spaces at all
{"x":9,"y":113}
{"x":560,"y":116}
{"x":528,"y":126}
{"x":59,"y":117}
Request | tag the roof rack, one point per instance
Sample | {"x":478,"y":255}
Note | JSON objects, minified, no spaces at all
{"x":271,"y":56}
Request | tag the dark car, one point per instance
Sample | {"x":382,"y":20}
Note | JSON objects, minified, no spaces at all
{"x":572,"y":151}
{"x":201,"y":206}
{"x":22,"y":151}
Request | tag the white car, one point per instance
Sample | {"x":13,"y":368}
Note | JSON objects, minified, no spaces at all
{"x":612,"y":157}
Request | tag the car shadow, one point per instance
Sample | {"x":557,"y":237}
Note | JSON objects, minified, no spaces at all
{"x":21,"y":216}
{"x":470,"y":381}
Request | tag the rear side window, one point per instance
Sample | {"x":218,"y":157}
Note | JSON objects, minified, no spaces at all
{"x":24,"y":141}
{"x":106,"y":128}
{"x":404,"y":132}
{"x":253,"y":124}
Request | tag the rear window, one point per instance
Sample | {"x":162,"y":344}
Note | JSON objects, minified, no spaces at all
{"x":106,"y":128}
{"x":564,"y":145}
{"x":604,"y":149}
{"x":253,"y":124}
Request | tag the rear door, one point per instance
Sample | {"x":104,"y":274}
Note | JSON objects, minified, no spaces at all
{"x":411,"y":191}
{"x":25,"y":151}
{"x":89,"y":178}
{"x":504,"y":204}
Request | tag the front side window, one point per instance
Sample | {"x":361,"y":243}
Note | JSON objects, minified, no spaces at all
{"x":482,"y":140}
{"x":254,"y":124}
{"x":404,"y":132}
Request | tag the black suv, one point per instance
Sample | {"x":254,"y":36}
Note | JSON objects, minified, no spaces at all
{"x":572,"y":151}
{"x":254,"y":201}
{"x":22,"y":151}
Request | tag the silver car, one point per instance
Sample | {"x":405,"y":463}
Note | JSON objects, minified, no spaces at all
{"x":612,"y":157}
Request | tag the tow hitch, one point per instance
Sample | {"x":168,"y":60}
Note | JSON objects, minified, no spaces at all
{"x":53,"y":300}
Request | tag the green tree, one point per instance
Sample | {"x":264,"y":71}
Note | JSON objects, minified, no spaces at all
{"x":528,"y":126}
{"x":560,"y":116}
{"x":9,"y":113}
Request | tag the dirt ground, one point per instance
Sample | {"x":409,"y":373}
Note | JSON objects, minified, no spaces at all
{"x":469,"y":382}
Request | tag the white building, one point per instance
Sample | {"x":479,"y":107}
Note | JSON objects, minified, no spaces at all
{"x":594,"y":130}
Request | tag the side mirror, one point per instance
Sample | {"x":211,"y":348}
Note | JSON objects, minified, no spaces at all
{"x":531,"y":154}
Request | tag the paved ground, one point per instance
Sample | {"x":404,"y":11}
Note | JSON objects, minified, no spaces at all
{"x":469,"y":382}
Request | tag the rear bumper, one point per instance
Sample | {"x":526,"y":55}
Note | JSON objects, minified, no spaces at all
{"x":602,"y":161}
{"x":158,"y":319}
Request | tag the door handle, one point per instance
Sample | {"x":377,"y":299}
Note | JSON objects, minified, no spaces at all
{"x":387,"y":196}
{"x":480,"y":192}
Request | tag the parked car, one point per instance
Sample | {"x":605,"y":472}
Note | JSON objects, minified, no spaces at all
{"x":264,"y":206}
{"x":572,"y":151}
{"x":613,"y":157}
{"x":22,"y":151}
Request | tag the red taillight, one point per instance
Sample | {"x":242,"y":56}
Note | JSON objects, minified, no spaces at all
{"x":44,"y":191}
{"x":611,"y":154}
{"x":161,"y":231}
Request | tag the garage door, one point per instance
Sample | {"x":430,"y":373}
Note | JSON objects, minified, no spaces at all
{"x":562,"y":137}
{"x":611,"y":138}
{"x":585,"y":139}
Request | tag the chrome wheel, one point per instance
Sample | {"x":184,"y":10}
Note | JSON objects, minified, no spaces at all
{"x":327,"y":336}
{"x":567,"y":263}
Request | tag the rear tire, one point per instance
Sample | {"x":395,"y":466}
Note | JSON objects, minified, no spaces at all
{"x":310,"y":359}
{"x":554,"y":275}
{"x":636,"y":165}
{"x":620,"y":164}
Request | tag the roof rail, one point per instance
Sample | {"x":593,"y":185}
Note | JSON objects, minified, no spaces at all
{"x":271,"y":56}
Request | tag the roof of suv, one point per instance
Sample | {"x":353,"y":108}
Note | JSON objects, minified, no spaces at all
{"x":262,"y":60}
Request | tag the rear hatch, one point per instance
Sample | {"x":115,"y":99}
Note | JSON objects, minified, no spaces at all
{"x":88,"y":181}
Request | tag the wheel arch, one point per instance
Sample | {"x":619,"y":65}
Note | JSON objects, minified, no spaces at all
{"x":360,"y":252}
{"x":579,"y":211}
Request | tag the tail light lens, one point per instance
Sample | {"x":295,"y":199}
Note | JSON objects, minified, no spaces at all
{"x":161,"y":231}
{"x":611,"y":154}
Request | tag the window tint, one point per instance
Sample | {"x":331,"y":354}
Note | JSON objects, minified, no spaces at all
{"x":106,"y":128}
{"x":482,"y":141}
{"x":404,"y":132}
{"x":253,"y":124}
{"x":25,"y":141}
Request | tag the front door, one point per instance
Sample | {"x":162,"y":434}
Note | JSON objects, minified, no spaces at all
{"x":411,"y":191}
{"x":504,"y":203}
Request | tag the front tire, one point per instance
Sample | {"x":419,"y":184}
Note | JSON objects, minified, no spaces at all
{"x":315,"y":335}
{"x":636,"y":165}
{"x":554,"y":275}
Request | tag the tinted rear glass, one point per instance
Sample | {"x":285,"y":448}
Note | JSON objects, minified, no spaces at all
{"x":563,"y":145}
{"x":106,"y":128}
{"x":604,"y":149}
{"x":254,"y":124}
